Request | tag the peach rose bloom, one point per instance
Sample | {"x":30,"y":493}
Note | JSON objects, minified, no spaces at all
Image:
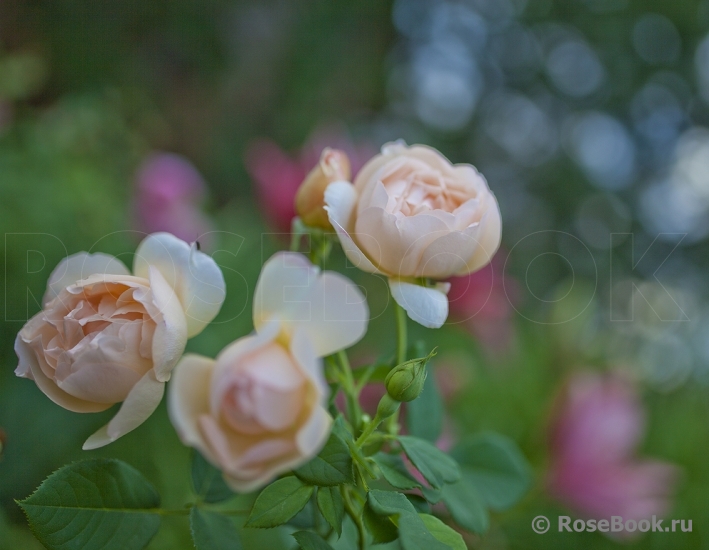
{"x":413,"y":216}
{"x":105,"y":336}
{"x":259,"y":409}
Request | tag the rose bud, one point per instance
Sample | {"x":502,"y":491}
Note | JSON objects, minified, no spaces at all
{"x":405,"y":382}
{"x":310,"y":199}
{"x":416,"y":218}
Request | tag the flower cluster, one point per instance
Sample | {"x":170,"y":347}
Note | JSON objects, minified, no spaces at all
{"x":264,"y":411}
{"x":280,"y":410}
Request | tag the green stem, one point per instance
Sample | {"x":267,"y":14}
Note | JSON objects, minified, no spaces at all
{"x":356,"y":518}
{"x":354,"y":413}
{"x":297,"y":230}
{"x":401,"y":343}
{"x":362,"y":382}
{"x":392,"y":423}
{"x":360,"y":459}
{"x":368,"y":430}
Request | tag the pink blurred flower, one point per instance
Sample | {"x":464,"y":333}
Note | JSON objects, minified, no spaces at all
{"x":481,"y":303}
{"x":596,"y":428}
{"x":277,"y":174}
{"x":168,"y":194}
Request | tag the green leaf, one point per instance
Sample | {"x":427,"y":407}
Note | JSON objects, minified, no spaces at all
{"x":95,"y":504}
{"x":443,"y":532}
{"x":424,"y":415}
{"x":389,"y":503}
{"x":497,"y":468}
{"x":213,"y":531}
{"x":414,"y":535}
{"x":208,"y":482}
{"x":433,"y":496}
{"x":412,"y":531}
{"x":435,"y":466}
{"x":332,"y":507}
{"x":305,"y":519}
{"x":382,"y":528}
{"x":341,"y":428}
{"x":419,"y":503}
{"x":466,"y":505}
{"x":308,"y":540}
{"x":395,"y":472}
{"x":279,"y":502}
{"x":333,"y":466}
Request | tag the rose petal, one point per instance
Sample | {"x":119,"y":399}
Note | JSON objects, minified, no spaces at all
{"x":426,"y":306}
{"x":188,"y":398}
{"x":141,"y":402}
{"x":282,"y":289}
{"x":195,"y":277}
{"x":228,"y":362}
{"x":241,"y":457}
{"x":449,"y":254}
{"x":429,"y":155}
{"x":274,"y":409}
{"x":368,"y":170}
{"x":78,"y":267}
{"x":303,"y":351}
{"x":94,"y":377}
{"x":339,"y":314}
{"x":396,"y":245}
{"x":29,"y":368}
{"x":340,"y":200}
{"x":327,"y":306}
{"x":313,"y":435}
{"x":170,"y":337}
{"x":489,"y":237}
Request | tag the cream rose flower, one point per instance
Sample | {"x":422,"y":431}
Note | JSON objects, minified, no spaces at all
{"x":105,"y":336}
{"x":411,"y":215}
{"x":259,"y":409}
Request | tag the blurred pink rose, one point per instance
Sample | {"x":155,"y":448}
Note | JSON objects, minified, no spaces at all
{"x":480,"y":302}
{"x":168,"y":194}
{"x":596,"y":428}
{"x":277,"y":174}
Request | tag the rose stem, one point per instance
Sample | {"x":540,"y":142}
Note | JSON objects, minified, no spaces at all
{"x":356,"y":518}
{"x":400,"y":333}
{"x":348,"y":384}
{"x":392,"y":423}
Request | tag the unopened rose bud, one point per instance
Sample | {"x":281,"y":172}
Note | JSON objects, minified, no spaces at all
{"x":309,"y":201}
{"x":405,"y":382}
